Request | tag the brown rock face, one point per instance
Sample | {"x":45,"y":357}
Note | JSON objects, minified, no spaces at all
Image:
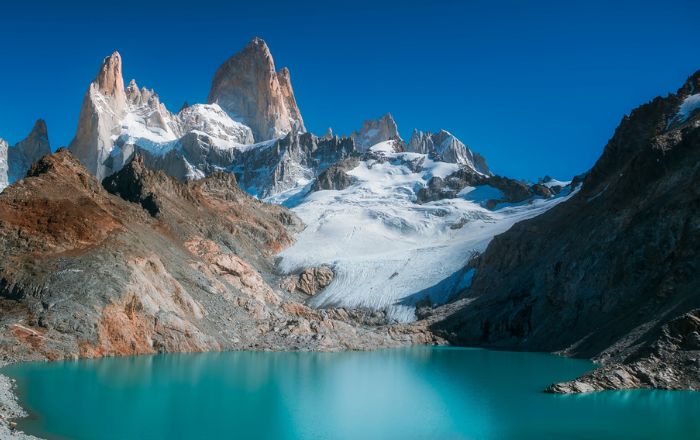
{"x":109,"y":80}
{"x":249,"y":89}
{"x":311,"y":281}
{"x":145,"y":263}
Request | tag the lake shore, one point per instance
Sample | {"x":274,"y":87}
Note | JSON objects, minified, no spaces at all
{"x":10,"y":409}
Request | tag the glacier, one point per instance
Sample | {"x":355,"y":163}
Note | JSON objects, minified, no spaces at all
{"x":388,"y":251}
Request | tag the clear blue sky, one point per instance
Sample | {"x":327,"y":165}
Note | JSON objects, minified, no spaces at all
{"x":537,"y":87}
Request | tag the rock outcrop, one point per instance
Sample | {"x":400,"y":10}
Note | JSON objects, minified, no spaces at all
{"x":446,"y":147}
{"x":374,"y":131}
{"x":288,"y":163}
{"x":610,"y":273}
{"x":510,"y":190}
{"x":251,"y":91}
{"x":310,"y":281}
{"x":336,"y":177}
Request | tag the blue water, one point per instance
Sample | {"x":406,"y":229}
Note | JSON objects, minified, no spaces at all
{"x":414,"y":393}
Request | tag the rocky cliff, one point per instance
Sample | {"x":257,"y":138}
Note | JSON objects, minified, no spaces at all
{"x":611,"y":273}
{"x":104,"y":106}
{"x":251,"y":91}
{"x":148,"y":264}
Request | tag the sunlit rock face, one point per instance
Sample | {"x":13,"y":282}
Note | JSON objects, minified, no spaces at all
{"x":251,"y":91}
{"x":374,"y":131}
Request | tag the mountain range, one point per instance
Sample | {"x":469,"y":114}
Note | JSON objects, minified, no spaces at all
{"x":227,"y":225}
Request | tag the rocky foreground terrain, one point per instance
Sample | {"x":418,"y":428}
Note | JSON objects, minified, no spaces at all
{"x":612,"y":273}
{"x":145,"y":264}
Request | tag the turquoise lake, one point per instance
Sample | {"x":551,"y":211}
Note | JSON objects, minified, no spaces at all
{"x":412,"y":393}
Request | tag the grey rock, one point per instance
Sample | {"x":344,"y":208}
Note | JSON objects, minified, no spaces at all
{"x":374,"y":131}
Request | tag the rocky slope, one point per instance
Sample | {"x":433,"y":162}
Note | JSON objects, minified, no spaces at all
{"x":611,"y":273}
{"x":148,"y":264}
{"x":15,"y":161}
{"x":250,"y":90}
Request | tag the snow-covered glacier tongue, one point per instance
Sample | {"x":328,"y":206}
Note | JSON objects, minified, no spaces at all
{"x":389,"y":248}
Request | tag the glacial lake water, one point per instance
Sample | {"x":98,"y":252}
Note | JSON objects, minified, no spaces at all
{"x":411,"y":393}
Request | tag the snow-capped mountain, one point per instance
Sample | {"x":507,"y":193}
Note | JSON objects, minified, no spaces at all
{"x":400,"y":219}
{"x":15,"y":161}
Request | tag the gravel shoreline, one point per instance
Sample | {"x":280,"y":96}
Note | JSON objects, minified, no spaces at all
{"x":9,"y":410}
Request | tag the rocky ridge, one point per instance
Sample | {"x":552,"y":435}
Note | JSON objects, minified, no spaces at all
{"x":608,"y":274}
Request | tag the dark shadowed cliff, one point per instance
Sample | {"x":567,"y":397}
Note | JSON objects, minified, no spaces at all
{"x":613,"y":272}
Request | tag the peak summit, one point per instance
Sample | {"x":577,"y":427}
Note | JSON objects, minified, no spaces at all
{"x":248,"y":87}
{"x":257,"y":42}
{"x":109,"y":78}
{"x":374,"y":131}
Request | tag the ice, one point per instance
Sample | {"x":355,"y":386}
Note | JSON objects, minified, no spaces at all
{"x":550,"y":183}
{"x":481,"y":193}
{"x":689,"y":105}
{"x":389,"y":252}
{"x":382,"y":147}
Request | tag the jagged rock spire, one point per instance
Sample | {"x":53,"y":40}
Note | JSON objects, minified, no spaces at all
{"x":374,"y":131}
{"x":109,"y":79}
{"x":250,"y":90}
{"x":28,"y":151}
{"x":103,"y":107}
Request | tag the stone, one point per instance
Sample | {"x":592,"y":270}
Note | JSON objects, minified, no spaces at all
{"x":252,"y":92}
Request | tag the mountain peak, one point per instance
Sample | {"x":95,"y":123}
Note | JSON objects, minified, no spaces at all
{"x":374,"y":131}
{"x":109,"y":78}
{"x":250,"y":90}
{"x":39,"y":129}
{"x":258,"y":43}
